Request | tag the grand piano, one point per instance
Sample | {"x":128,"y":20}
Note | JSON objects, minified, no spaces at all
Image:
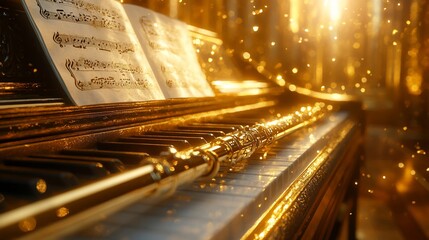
{"x":256,"y":161}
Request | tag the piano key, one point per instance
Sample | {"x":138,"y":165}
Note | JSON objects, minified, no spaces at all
{"x":232,"y":207}
{"x":212,"y":187}
{"x":2,"y":202}
{"x":218,"y":124}
{"x":240,"y":121}
{"x":207,"y":136}
{"x":177,"y":204}
{"x":22,"y":185}
{"x":215,"y":133}
{"x":149,"y":148}
{"x":128,"y":158}
{"x":179,"y":144}
{"x":88,"y":170}
{"x":166,"y":228}
{"x":175,"y":216}
{"x":264,"y":170}
{"x":113,"y":165}
{"x":193,"y":140}
{"x":111,"y":231}
{"x":211,"y":127}
{"x":55,"y":179}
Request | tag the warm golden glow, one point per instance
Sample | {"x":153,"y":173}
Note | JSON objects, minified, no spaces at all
{"x":240,"y":87}
{"x":334,"y":9}
{"x":41,"y":186}
{"x":27,"y":225}
{"x":62,"y":212}
{"x":294,"y":15}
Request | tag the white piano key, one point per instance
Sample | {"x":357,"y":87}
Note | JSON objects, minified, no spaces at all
{"x":240,"y":179}
{"x":193,"y":214}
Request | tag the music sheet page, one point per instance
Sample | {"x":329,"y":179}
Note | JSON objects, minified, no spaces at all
{"x":94,"y":50}
{"x":170,"y":52}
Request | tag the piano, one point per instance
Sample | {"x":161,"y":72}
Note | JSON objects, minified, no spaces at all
{"x":254,"y":162}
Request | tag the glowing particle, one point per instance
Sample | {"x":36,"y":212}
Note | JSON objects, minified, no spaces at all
{"x":421,"y":151}
{"x":246,"y":55}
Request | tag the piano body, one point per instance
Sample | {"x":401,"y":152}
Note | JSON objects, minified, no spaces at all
{"x":253,"y":162}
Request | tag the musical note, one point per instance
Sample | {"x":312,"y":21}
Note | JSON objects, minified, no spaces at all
{"x":112,"y":82}
{"x":107,"y":75}
{"x":89,"y":7}
{"x":84,"y":64}
{"x":83,"y":42}
{"x":95,"y":20}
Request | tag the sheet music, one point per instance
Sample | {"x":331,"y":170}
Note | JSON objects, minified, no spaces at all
{"x":94,"y":50}
{"x":170,"y":53}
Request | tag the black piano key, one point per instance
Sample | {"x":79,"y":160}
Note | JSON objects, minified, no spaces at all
{"x":215,"y":133}
{"x":240,"y":121}
{"x":152,"y":149}
{"x":226,"y":128}
{"x":22,"y":185}
{"x":82,"y":169}
{"x":207,"y":136}
{"x":55,"y":179}
{"x":112,"y":164}
{"x":2,"y":202}
{"x":128,"y":158}
{"x":179,"y":144}
{"x":193,"y":140}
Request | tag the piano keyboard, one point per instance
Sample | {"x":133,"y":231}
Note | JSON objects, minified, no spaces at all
{"x":225,"y":206}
